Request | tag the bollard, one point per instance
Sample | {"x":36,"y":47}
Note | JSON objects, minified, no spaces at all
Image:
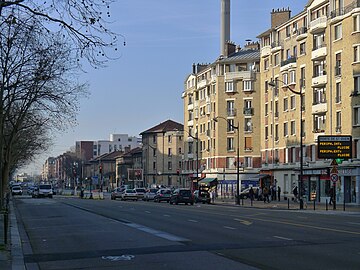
{"x":326,"y":205}
{"x":314,"y":204}
{"x":288,"y":203}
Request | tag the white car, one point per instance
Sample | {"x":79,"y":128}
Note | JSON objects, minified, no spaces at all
{"x":129,"y":194}
{"x":150,"y":194}
{"x":16,"y":190}
{"x":43,"y":190}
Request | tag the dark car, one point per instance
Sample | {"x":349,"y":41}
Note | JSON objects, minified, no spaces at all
{"x":202,"y":196}
{"x":162,"y":195}
{"x":182,"y":195}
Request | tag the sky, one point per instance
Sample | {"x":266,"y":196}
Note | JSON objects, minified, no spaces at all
{"x":164,"y":38}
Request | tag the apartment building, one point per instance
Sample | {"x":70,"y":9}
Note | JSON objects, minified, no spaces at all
{"x":316,"y":54}
{"x":162,"y":154}
{"x":48,"y":170}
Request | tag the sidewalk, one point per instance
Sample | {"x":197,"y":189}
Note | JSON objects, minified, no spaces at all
{"x":289,"y":205}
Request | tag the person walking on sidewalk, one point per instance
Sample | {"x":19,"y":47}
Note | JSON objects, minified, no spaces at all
{"x":331,"y":194}
{"x":278,"y":193}
{"x":266,"y":194}
{"x":295,"y":192}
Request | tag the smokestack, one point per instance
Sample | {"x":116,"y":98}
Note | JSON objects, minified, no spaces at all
{"x":224,"y":25}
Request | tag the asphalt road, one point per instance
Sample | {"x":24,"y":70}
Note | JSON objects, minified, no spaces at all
{"x":69,"y":233}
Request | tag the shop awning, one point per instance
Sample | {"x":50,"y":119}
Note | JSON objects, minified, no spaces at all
{"x":208,"y":181}
{"x":258,"y":177}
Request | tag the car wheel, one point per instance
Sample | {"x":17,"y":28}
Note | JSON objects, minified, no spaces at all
{"x":192,"y":203}
{"x":170,"y":202}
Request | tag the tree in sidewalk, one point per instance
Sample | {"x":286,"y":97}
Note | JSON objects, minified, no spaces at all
{"x":85,"y":23}
{"x":38,"y":88}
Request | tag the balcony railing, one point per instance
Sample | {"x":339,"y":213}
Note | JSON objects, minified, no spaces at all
{"x":318,"y":46}
{"x":301,"y":30}
{"x":276,"y":44}
{"x":292,"y":59}
{"x":344,"y":10}
{"x":248,"y":111}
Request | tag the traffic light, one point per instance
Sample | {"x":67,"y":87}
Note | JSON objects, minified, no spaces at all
{"x":100,"y":169}
{"x":178,"y":172}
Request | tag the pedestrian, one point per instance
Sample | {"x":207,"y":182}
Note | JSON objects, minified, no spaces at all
{"x":259,"y":198}
{"x":295,"y":192}
{"x":266,"y":194}
{"x":331,"y":194}
{"x":278,"y":193}
{"x":251,"y":194}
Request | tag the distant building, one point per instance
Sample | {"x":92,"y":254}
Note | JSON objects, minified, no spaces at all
{"x":162,"y":154}
{"x":48,"y":171}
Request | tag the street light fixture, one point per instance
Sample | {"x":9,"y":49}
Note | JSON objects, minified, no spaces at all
{"x":274,"y":84}
{"x":237,"y":200}
{"x":196,"y":137}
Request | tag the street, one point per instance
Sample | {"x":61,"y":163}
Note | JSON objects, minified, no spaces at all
{"x":70,"y":233}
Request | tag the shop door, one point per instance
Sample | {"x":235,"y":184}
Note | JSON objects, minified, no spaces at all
{"x":347,"y":189}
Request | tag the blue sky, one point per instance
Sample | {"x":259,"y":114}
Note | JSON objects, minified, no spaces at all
{"x":163,"y":38}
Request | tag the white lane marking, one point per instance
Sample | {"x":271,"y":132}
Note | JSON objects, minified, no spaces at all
{"x":148,"y":212}
{"x":157,"y":233}
{"x":191,"y":220}
{"x":282,"y":238}
{"x":354,"y":223}
{"x":166,"y":215}
{"x":118,"y":258}
{"x":242,"y":221}
{"x":230,"y":228}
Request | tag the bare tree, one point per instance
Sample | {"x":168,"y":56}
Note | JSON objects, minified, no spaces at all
{"x":84,"y":22}
{"x":38,"y":86}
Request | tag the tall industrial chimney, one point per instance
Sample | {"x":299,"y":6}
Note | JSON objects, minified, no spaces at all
{"x":224,"y":25}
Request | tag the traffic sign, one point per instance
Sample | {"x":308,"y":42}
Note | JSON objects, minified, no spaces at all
{"x":334,"y":170}
{"x":335,"y":147}
{"x":334,"y":162}
{"x":334,"y":177}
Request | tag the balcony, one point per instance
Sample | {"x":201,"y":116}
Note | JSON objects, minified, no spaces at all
{"x":202,"y":83}
{"x":319,"y":81}
{"x":301,"y":33}
{"x":338,"y":14}
{"x":237,"y":75}
{"x":265,"y":51}
{"x":318,"y":25}
{"x":190,"y":155}
{"x":191,"y":123}
{"x":276,"y":46}
{"x":248,"y":111}
{"x":319,"y":52}
{"x":288,"y":63}
{"x":319,"y":108}
{"x":190,"y":107}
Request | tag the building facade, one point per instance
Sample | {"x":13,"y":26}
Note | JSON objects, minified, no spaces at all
{"x":162,"y":154}
{"x":316,"y":54}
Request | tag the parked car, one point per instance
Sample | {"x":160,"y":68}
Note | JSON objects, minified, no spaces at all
{"x":202,"y":196}
{"x":150,"y":194}
{"x":129,"y":194}
{"x":182,"y":195}
{"x":16,"y":190}
{"x":43,"y":190}
{"x":163,"y":194}
{"x":246,"y":193}
{"x":116,"y":193}
{"x":140,"y":192}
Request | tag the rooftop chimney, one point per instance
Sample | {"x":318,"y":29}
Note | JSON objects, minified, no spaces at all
{"x":224,"y":26}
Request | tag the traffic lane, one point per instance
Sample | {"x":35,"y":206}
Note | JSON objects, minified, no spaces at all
{"x":73,"y":250}
{"x":220,"y":234}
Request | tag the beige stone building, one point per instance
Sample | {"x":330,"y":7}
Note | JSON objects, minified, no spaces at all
{"x":222,"y":106}
{"x":316,"y":53}
{"x":162,"y":154}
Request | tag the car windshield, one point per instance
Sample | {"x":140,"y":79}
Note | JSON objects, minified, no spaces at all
{"x":140,"y":190}
{"x":16,"y":188}
{"x":45,"y":186}
{"x":153,"y":190}
{"x":185,"y":192}
{"x":130,"y":191}
{"x":166,"y":191}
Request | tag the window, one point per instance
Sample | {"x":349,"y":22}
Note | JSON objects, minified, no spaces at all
{"x":154,"y":139}
{"x":276,"y":108}
{"x":169,"y":165}
{"x":248,"y":125}
{"x":276,"y":59}
{"x":338,"y":64}
{"x":338,"y":121}
{"x":248,"y":143}
{"x":230,"y":125}
{"x":302,"y":48}
{"x":154,"y":165}
{"x":248,"y":162}
{"x":288,"y":31}
{"x":230,"y":144}
{"x":229,"y":86}
{"x":318,"y":41}
{"x":266,"y":64}
{"x":154,"y":152}
{"x":292,"y":128}
{"x":357,"y":85}
{"x":230,"y":163}
{"x":286,"y":129}
{"x":357,"y":53}
{"x":338,"y":31}
{"x":319,"y":68}
{"x":319,"y":122}
{"x":292,"y":102}
{"x":266,"y":132}
{"x":338,"y":92}
{"x":295,"y":51}
{"x":230,"y":105}
{"x":288,"y":54}
{"x":285,"y":79}
{"x":169,"y":138}
{"x":356,"y":20}
{"x":248,"y":85}
{"x":292,"y":77}
{"x":276,"y":132}
{"x":180,"y":151}
{"x":356,"y":120}
{"x":302,"y":77}
{"x":266,"y":109}
{"x":286,"y":104}
{"x":266,"y":86}
{"x":169,"y":152}
{"x":319,"y":96}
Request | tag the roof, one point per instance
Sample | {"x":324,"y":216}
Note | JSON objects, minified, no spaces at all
{"x":168,"y":125}
{"x":137,"y":150}
{"x":242,"y":55}
{"x":108,"y":156}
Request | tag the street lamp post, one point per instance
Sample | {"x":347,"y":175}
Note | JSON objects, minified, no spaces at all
{"x":273,"y":84}
{"x":237,"y":200}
